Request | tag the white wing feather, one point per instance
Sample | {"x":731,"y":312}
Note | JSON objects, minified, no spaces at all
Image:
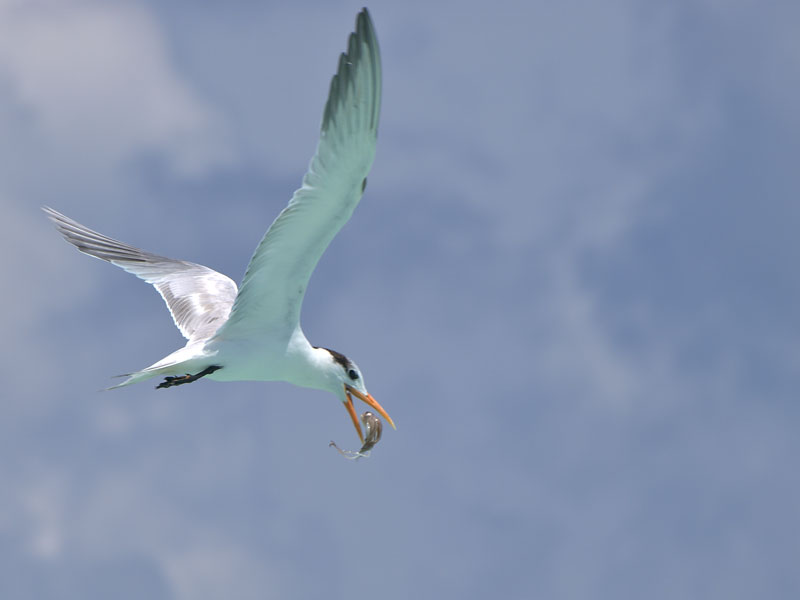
{"x":199,"y":299}
{"x":272,"y":291}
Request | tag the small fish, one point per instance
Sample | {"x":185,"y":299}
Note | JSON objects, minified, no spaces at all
{"x":374,"y":428}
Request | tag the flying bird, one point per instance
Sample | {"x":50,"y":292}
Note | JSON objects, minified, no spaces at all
{"x":253,"y":333}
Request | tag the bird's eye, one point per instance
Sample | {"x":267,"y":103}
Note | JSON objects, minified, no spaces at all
{"x":353,"y":374}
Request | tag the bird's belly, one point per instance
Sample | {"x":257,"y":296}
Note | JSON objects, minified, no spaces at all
{"x":250,"y":362}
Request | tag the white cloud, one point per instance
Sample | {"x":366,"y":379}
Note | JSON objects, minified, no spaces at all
{"x":43,"y":505}
{"x":215,"y":569}
{"x":97,"y":81}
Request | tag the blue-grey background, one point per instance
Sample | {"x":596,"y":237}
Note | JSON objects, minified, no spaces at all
{"x":573,"y":282}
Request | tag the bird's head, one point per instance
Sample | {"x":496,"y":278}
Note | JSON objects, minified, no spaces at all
{"x":348,"y":382}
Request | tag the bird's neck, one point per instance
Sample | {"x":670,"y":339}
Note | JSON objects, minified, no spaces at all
{"x":312,"y":367}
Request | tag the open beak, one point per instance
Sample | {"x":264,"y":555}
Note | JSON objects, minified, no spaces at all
{"x":367,"y":399}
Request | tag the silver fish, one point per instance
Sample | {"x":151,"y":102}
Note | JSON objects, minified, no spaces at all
{"x":373,"y":427}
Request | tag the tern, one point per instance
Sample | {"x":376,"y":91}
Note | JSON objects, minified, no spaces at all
{"x":253,"y":333}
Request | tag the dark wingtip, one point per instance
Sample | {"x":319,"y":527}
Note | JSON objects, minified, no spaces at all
{"x":363,"y":37}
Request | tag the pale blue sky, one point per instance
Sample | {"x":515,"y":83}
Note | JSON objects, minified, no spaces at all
{"x":572,"y":283}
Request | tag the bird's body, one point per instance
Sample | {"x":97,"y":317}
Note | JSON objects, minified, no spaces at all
{"x":253,"y":333}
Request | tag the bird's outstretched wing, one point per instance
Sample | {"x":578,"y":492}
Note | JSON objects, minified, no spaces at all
{"x":199,"y":299}
{"x":273,"y":287}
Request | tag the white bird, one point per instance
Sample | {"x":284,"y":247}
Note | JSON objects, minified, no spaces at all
{"x":254,"y":333}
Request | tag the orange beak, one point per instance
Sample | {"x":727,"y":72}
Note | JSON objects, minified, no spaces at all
{"x":367,"y":399}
